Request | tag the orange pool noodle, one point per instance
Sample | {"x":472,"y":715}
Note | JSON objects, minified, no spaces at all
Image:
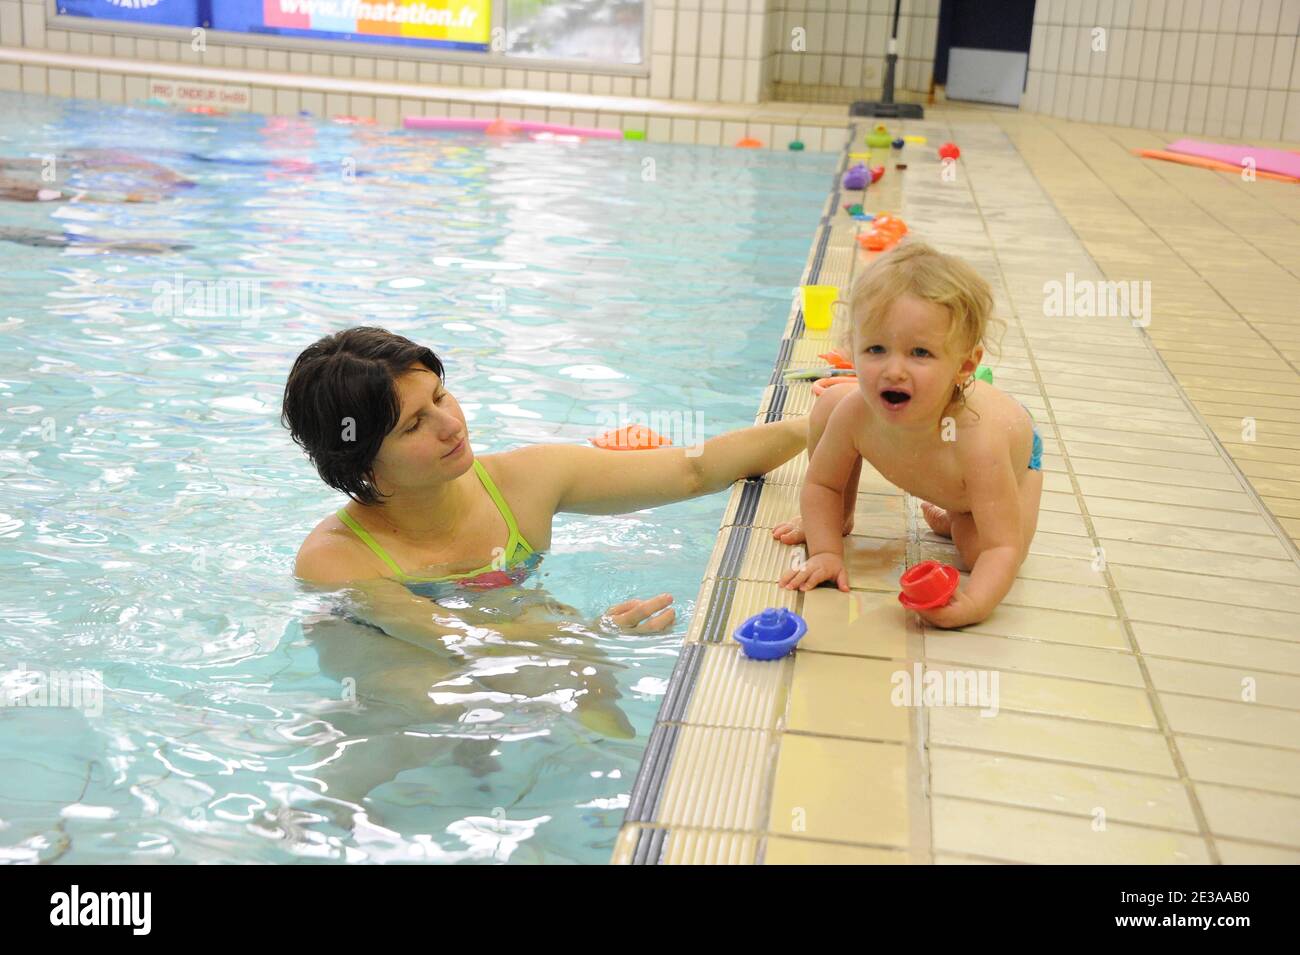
{"x":1204,"y":163}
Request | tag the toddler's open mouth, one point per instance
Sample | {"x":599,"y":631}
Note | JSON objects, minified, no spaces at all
{"x":895,"y":398}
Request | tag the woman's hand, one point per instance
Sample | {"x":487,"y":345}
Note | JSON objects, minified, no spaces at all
{"x":643,"y":616}
{"x":961,"y":610}
{"x":817,"y":568}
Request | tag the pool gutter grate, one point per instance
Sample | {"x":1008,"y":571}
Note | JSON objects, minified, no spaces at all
{"x":673,"y":708}
{"x":653,"y":774}
{"x":649,"y":847}
{"x":649,"y":783}
{"x":733,"y":556}
{"x":715,"y":620}
{"x":777,"y":406}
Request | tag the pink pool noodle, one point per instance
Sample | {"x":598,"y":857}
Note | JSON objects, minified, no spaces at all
{"x":1269,"y":160}
{"x":458,"y":123}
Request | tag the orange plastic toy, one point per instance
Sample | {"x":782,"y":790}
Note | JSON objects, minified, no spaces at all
{"x":889,"y":224}
{"x":886,"y":232}
{"x":835,"y":359}
{"x":635,"y":437}
{"x":821,"y":384}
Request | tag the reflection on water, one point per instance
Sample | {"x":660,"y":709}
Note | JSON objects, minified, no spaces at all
{"x":153,"y":503}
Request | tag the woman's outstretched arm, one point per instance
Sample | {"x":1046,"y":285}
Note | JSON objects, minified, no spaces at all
{"x":594,"y":481}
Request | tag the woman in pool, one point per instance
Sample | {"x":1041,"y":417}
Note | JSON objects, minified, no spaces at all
{"x":428,"y":519}
{"x":372,"y":411}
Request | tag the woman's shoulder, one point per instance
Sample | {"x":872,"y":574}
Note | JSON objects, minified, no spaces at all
{"x":521,"y":471}
{"x":333,"y":554}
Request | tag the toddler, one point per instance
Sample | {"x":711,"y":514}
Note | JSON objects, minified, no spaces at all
{"x":918,"y":321}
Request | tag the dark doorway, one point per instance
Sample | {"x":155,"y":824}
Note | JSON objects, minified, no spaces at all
{"x":981,"y":25}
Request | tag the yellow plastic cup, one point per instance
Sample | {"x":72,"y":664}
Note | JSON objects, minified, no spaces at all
{"x":817,"y":302}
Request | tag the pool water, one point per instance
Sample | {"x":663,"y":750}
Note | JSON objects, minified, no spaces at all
{"x":153,"y":503}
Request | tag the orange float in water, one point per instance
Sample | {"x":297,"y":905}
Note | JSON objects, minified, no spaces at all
{"x":635,"y":437}
{"x":749,"y":143}
{"x":500,"y":127}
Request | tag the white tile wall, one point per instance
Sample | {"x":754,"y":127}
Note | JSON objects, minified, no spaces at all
{"x":845,"y":46}
{"x":712,"y":50}
{"x":1225,"y":68}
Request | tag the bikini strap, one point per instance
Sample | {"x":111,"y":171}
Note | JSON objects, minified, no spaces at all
{"x":369,"y":541}
{"x":504,"y":508}
{"x":515,"y":539}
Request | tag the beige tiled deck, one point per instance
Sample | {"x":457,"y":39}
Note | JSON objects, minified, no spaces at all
{"x":1149,"y":655}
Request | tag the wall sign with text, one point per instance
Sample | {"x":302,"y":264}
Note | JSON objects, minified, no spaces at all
{"x":455,"y":24}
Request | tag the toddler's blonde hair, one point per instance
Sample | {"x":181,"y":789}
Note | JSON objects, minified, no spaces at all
{"x":917,"y":269}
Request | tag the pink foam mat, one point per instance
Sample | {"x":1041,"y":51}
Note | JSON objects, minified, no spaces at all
{"x":1268,"y":160}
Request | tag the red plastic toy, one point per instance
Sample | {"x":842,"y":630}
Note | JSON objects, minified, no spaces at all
{"x":928,"y":585}
{"x":949,"y":151}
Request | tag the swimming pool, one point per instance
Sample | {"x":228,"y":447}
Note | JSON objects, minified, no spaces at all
{"x":153,"y":503}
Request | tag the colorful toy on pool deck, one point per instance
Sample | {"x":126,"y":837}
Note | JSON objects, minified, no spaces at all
{"x":889,"y":223}
{"x":876,"y":173}
{"x":633,"y":437}
{"x":886,"y":232}
{"x":857,"y":177}
{"x":897,"y":144}
{"x":817,"y":302}
{"x":821,"y":384}
{"x":749,"y":142}
{"x":835,"y":359}
{"x":919,"y":140}
{"x":879,"y":137}
{"x":795,"y":145}
{"x":928,"y":585}
{"x":815,"y":374}
{"x":771,"y":634}
{"x":949,"y":151}
{"x":984,"y":373}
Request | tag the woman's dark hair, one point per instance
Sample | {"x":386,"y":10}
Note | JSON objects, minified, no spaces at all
{"x":341,"y":401}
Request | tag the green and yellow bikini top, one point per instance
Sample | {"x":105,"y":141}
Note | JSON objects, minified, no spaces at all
{"x":517,"y":550}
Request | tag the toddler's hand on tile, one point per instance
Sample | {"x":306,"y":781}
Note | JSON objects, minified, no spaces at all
{"x":816,"y":569}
